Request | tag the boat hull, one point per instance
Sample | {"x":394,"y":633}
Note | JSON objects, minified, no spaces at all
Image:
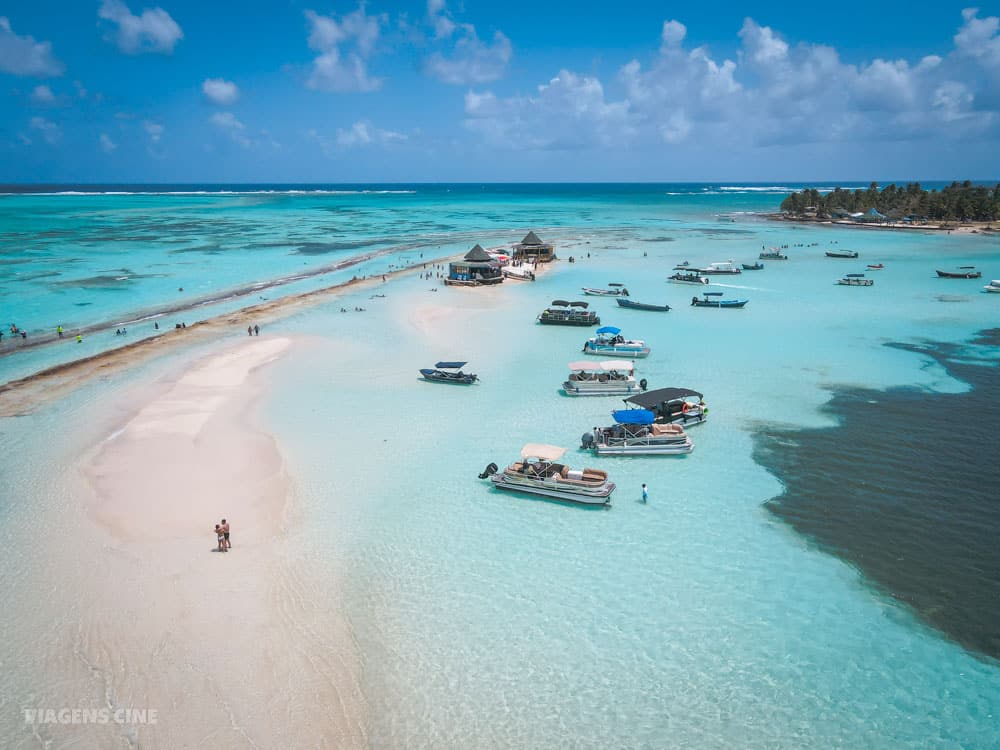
{"x":600,"y":389}
{"x":630,"y":305}
{"x":841,"y":255}
{"x":855,"y":282}
{"x":602,"y":292}
{"x":612,"y":351}
{"x":556,"y":490}
{"x":688,"y":279}
{"x":754,"y":267}
{"x":772,"y":256}
{"x":644,"y":449}
{"x":731,"y":303}
{"x":960,"y":275}
{"x":567,"y":321}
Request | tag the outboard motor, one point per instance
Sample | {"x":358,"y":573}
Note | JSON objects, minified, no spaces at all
{"x":489,"y":471}
{"x":643,"y":384}
{"x":587,"y":440}
{"x":694,"y":300}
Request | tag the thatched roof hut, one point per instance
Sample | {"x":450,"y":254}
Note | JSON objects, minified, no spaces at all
{"x":476,"y":268}
{"x":532,"y":248}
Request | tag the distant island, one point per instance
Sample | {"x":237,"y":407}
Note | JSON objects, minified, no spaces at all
{"x":972,"y":206}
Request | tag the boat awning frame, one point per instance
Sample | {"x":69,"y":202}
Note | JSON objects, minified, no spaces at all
{"x":450,"y":365}
{"x":542,"y":451}
{"x":650,"y":399}
{"x":591,"y":366}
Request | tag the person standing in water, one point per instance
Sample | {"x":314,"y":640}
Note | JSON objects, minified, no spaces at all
{"x":645,"y":492}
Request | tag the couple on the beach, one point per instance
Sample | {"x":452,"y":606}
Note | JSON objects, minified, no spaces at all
{"x":222,"y":534}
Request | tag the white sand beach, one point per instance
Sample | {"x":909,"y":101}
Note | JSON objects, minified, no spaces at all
{"x":231,"y":650}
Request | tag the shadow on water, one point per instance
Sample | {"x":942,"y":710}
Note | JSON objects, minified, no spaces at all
{"x":907,"y":490}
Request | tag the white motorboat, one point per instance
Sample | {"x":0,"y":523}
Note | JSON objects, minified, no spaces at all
{"x":610,"y":343}
{"x":614,"y":378}
{"x":993,"y":286}
{"x":635,"y":433}
{"x":537,"y":473}
{"x":722,"y":268}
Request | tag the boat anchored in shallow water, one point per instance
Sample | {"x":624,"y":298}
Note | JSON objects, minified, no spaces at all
{"x":537,"y":473}
{"x":841,"y":253}
{"x":610,"y":343}
{"x":673,"y":405}
{"x":615,"y":290}
{"x":563,"y":313}
{"x":713,"y":299}
{"x":758,"y":266}
{"x":993,"y":286}
{"x":962,"y":272}
{"x":449,"y":372}
{"x":772,"y":253}
{"x":855,"y":279}
{"x":614,"y":378}
{"x":635,"y":433}
{"x":632,"y":305}
{"x":721,"y":268}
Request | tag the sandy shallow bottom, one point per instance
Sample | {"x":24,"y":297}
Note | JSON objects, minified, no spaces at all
{"x":237,"y":649}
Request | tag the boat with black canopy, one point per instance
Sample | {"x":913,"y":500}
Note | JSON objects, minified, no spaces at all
{"x":538,"y":473}
{"x":563,"y":313}
{"x":449,"y":372}
{"x":636,"y":433}
{"x":672,"y":405}
{"x":713,"y":299}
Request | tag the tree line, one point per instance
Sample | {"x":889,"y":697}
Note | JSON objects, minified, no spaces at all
{"x":959,"y":201}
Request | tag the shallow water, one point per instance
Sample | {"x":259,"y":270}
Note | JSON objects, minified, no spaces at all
{"x":696,"y":620}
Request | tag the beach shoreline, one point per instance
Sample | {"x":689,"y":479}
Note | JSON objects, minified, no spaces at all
{"x":217,"y":644}
{"x":965,"y":227}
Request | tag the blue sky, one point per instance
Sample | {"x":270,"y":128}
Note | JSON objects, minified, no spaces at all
{"x":225,"y":91}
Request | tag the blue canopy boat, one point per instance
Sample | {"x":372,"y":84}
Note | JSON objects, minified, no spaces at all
{"x":710,"y":300}
{"x":627,"y":303}
{"x":610,"y":343}
{"x":449,"y":372}
{"x":636,"y":433}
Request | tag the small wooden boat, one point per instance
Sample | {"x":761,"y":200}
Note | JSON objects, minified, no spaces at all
{"x":711,"y":299}
{"x":758,"y":266}
{"x":618,"y":291}
{"x":772,"y":253}
{"x":962,"y":272}
{"x":876,"y":266}
{"x":449,"y":372}
{"x":855,"y":279}
{"x":629,"y":304}
{"x":841,"y":253}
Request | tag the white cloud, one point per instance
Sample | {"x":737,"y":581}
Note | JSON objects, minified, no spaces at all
{"x":362,"y":133}
{"x":153,"y":129}
{"x":227,"y":123}
{"x":152,"y":31}
{"x":978,"y":37}
{"x":773,"y":92}
{"x":49,"y":131}
{"x":470,"y":60}
{"x":23,"y":56}
{"x":107,"y":145}
{"x":220,"y":91}
{"x":345,"y":47}
{"x":43,"y":95}
{"x":568,"y":112}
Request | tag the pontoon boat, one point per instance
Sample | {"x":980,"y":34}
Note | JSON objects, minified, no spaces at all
{"x":614,"y":378}
{"x":537,"y":473}
{"x":635,"y":433}
{"x":610,"y":343}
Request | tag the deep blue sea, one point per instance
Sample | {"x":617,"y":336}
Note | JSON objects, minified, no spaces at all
{"x":820,"y":572}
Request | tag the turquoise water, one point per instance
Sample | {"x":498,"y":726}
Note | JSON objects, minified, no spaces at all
{"x":696,"y":620}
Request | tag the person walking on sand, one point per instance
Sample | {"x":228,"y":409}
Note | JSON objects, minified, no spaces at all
{"x":249,"y":330}
{"x":645,"y":492}
{"x":220,"y":538}
{"x":256,"y":330}
{"x":225,"y":532}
